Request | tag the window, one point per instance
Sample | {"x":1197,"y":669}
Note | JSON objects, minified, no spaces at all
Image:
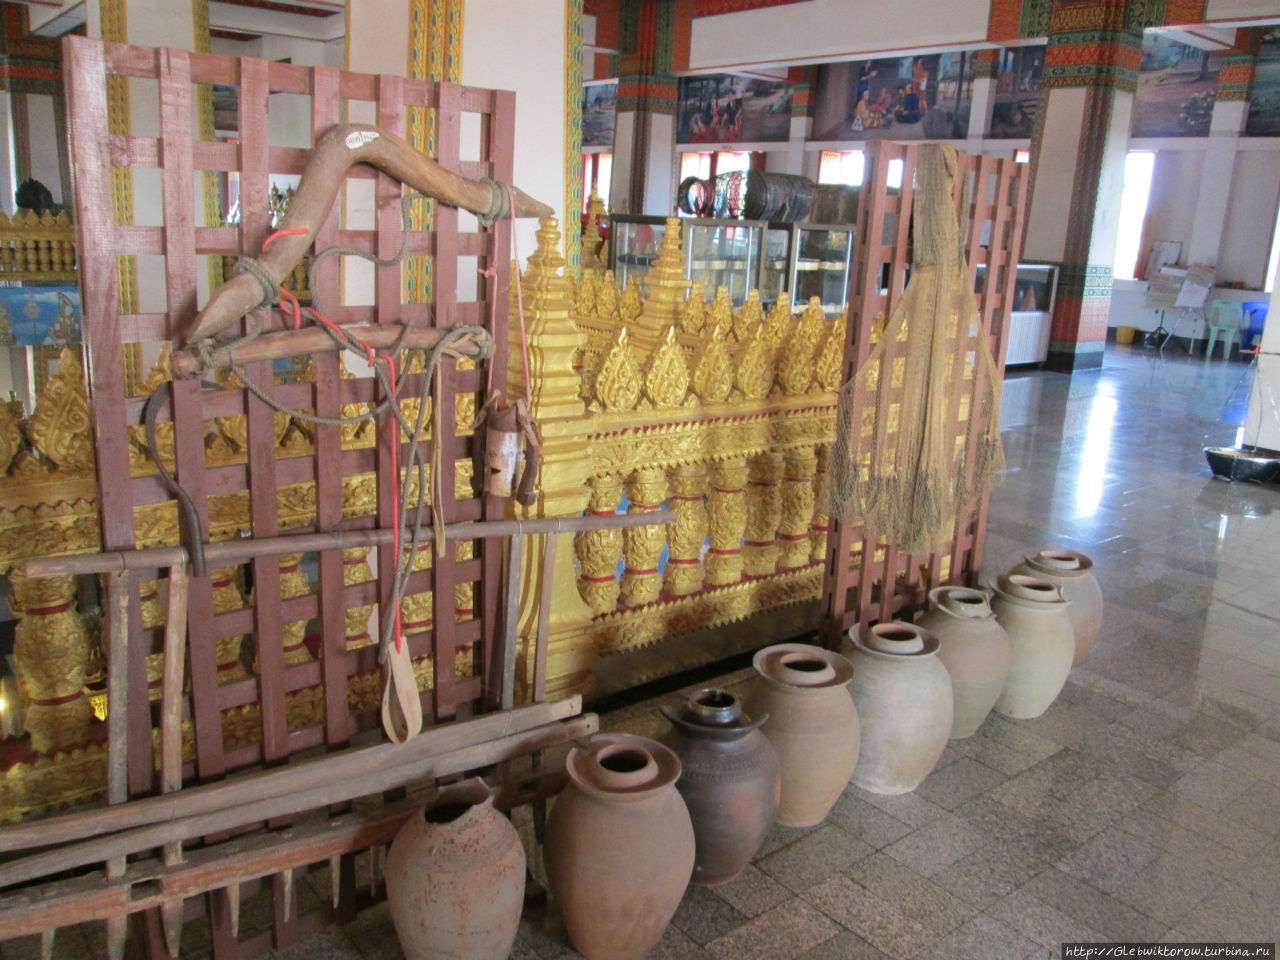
{"x":1274,"y":261}
{"x":695,"y":165}
{"x":1022,"y":156}
{"x":706,"y":164}
{"x":842,"y":166}
{"x":1138,"y":167}
{"x":597,"y":172}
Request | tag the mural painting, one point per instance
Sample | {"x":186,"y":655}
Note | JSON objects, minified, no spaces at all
{"x":1177,"y":87}
{"x":599,"y":113}
{"x":722,"y":108}
{"x":1017,"y":97}
{"x":1264,"y":104}
{"x":903,"y":98}
{"x":34,"y":316}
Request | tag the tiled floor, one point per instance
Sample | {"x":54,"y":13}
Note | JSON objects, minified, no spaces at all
{"x":1144,"y":805}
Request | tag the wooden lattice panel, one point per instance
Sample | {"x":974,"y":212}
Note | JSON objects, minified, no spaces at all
{"x":867,"y":581}
{"x":319,"y":483}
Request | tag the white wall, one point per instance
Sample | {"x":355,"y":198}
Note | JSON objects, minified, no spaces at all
{"x":1251,"y":217}
{"x":526,"y":55}
{"x":822,"y":30}
{"x":1171,"y":205}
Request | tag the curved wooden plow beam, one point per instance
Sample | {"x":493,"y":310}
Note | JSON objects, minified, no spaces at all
{"x":340,"y":149}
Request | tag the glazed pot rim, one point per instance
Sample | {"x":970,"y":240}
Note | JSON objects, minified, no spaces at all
{"x":939,"y":596}
{"x":693,"y":718}
{"x":929,"y":649}
{"x":1044,"y":560}
{"x":1000,"y":589}
{"x":767,"y":660}
{"x":581,"y":760}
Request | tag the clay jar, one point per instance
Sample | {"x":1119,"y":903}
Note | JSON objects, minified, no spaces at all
{"x":903,"y":695}
{"x":619,"y":846}
{"x":975,"y":650}
{"x":1072,"y":573}
{"x":455,"y":878}
{"x":812,"y":724}
{"x":731,"y":781}
{"x":1034,"y":614}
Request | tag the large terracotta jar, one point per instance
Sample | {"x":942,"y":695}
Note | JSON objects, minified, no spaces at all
{"x":975,"y":650}
{"x":1034,"y":615}
{"x":812,"y":724}
{"x":619,"y":846}
{"x":1072,"y":573}
{"x":903,"y":695}
{"x":731,"y":781}
{"x":455,"y":878}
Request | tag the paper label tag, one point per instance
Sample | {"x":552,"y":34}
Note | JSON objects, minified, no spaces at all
{"x":358,"y":138}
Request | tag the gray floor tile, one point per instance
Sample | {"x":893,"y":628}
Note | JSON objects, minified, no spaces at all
{"x":703,"y":916}
{"x":959,"y":782}
{"x":1113,"y":919}
{"x":937,"y":845}
{"x":813,"y":858}
{"x":983,"y":938}
{"x":783,"y":933}
{"x":753,"y":892}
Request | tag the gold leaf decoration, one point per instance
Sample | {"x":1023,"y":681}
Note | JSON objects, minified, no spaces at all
{"x":607,"y":299}
{"x":830,"y":363}
{"x":585,"y":296}
{"x":778,"y":323}
{"x":754,"y":375}
{"x":713,"y":369}
{"x":10,"y":437}
{"x":693,"y":316}
{"x":721,"y":310}
{"x":750,"y":316}
{"x":632,"y":301}
{"x":666,"y":377}
{"x":59,"y":428}
{"x":617,"y":385}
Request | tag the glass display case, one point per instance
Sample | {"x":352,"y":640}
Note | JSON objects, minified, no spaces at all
{"x":804,"y":259}
{"x":739,"y":254}
{"x":1032,"y":313}
{"x":819,"y":266}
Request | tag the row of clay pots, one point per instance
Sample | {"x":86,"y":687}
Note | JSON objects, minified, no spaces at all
{"x":639,"y":820}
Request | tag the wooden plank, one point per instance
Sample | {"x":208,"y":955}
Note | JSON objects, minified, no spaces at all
{"x":293,"y":802}
{"x":334,"y":598}
{"x":117,"y":608}
{"x":352,"y":763}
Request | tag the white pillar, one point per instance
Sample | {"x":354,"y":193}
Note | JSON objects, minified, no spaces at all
{"x":1210,"y":220}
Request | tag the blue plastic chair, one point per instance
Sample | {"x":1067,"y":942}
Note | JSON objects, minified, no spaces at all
{"x":1256,"y":313}
{"x":1224,"y":318}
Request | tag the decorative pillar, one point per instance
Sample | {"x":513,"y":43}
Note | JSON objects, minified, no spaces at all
{"x":764,"y":513}
{"x":641,"y":581}
{"x":564,"y":485}
{"x":821,"y":507}
{"x":51,"y":648}
{"x":727,"y":521}
{"x":667,"y":286}
{"x":1078,"y":148}
{"x":688,"y":535}
{"x":797,"y":508}
{"x":599,"y":550}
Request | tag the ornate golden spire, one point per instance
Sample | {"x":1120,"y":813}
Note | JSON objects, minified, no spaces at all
{"x":667,"y":286}
{"x":750,"y":316}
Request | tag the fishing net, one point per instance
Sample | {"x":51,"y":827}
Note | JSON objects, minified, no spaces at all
{"x":918,"y":432}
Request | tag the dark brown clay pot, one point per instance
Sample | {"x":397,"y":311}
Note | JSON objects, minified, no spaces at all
{"x":812,"y":724}
{"x":619,"y":846}
{"x":731,"y":781}
{"x":455,"y":878}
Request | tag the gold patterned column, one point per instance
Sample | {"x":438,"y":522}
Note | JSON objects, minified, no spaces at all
{"x":688,"y":535}
{"x":599,"y":550}
{"x":641,"y":581}
{"x":764,"y":513}
{"x":797,"y":508}
{"x":293,"y":583}
{"x":51,"y":648}
{"x":356,"y":570}
{"x":727,"y":521}
{"x":821,"y":507}
{"x":416,"y":609}
{"x":229,"y":651}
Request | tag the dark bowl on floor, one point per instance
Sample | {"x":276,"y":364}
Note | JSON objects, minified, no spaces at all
{"x":1234,"y":463}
